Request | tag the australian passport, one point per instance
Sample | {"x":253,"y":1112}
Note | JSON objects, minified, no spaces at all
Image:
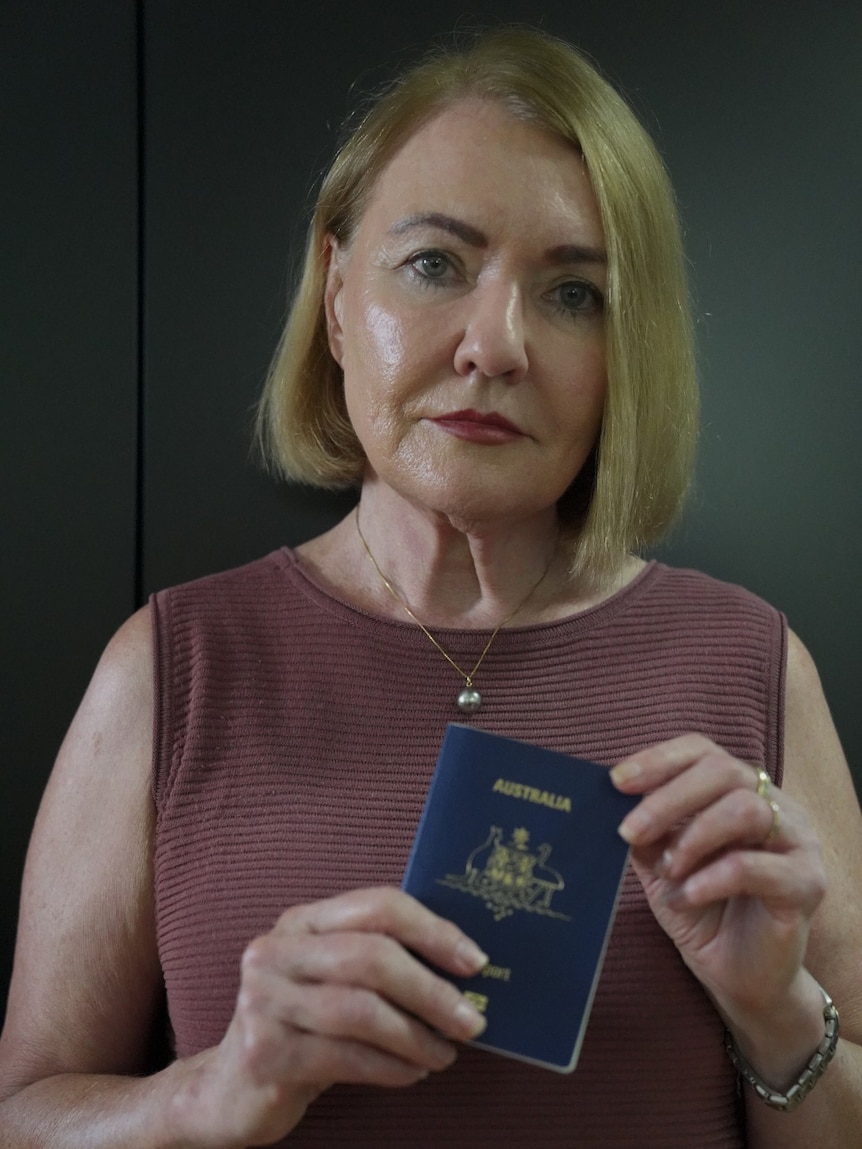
{"x":518,"y":845}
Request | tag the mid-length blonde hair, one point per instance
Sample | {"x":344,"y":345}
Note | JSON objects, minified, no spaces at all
{"x":634,"y":484}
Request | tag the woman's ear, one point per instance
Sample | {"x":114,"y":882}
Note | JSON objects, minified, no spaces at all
{"x":332,"y":300}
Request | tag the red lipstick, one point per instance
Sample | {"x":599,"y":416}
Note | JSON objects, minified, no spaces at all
{"x":479,"y":426}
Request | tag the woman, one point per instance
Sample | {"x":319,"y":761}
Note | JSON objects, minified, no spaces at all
{"x":491,"y":338}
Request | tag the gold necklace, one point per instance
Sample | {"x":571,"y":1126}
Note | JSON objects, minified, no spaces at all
{"x":469,"y":700}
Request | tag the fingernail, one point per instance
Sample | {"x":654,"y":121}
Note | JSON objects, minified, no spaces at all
{"x":665,"y":864}
{"x":469,"y":1018}
{"x":625,"y":831}
{"x":625,"y":772}
{"x":470,"y":956}
{"x":633,"y":825}
{"x":690,"y":889}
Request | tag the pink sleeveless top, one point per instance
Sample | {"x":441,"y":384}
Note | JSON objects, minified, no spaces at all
{"x":295,"y":739}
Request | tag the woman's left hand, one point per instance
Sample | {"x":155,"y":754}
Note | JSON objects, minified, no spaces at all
{"x":732,"y":880}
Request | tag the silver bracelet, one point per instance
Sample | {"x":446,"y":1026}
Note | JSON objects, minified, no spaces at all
{"x":810,"y":1075}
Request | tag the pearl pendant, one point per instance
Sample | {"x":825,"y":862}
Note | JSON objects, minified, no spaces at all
{"x":469,"y":700}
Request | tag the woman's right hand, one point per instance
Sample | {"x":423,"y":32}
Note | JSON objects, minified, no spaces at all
{"x":333,"y":993}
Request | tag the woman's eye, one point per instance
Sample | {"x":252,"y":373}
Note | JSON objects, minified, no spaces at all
{"x":578,"y":296}
{"x":431,"y":264}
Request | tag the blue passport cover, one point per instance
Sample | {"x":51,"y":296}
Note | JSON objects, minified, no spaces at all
{"x":518,"y":845}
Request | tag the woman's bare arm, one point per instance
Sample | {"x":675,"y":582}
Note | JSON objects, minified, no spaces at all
{"x":330,"y":994}
{"x":816,"y":774}
{"x":86,"y":983}
{"x":759,"y":910}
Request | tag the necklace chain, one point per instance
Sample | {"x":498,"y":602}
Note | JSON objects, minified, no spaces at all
{"x":468,"y":677}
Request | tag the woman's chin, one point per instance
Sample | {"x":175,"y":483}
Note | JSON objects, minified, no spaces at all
{"x":471,"y":504}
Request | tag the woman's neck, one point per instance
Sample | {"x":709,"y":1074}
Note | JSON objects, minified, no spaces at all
{"x":449,"y":574}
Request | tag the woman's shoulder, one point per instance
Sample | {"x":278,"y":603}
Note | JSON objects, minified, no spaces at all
{"x":692,"y":589}
{"x":247,"y":578}
{"x":682,"y":611}
{"x":254,"y":607}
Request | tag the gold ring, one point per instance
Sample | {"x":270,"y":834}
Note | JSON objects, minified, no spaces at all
{"x":776,"y":822}
{"x":763,"y":783}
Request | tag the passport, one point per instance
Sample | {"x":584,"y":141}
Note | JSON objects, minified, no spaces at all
{"x":518,"y":845}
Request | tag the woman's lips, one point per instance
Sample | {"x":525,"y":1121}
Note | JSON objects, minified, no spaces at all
{"x":479,"y":427}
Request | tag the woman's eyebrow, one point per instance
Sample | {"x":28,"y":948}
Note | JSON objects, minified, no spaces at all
{"x":464,"y":231}
{"x":577,"y":253}
{"x":562,"y":253}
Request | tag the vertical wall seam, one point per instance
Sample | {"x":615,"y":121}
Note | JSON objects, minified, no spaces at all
{"x":140,"y":255}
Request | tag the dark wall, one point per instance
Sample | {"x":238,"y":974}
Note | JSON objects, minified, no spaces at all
{"x":758,"y":109}
{"x":68,"y":382}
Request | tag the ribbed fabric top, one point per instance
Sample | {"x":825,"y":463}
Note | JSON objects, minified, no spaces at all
{"x":295,"y":739}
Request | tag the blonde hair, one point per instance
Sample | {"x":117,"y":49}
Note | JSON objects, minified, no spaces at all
{"x":635,"y":482}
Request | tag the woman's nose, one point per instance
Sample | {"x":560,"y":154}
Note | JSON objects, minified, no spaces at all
{"x":494,"y":339}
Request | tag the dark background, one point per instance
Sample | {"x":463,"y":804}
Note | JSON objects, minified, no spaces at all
{"x":158,"y":159}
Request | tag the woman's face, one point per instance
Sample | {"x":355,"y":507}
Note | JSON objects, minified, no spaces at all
{"x":467,"y":316}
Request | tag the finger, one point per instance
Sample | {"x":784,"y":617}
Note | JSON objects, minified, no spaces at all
{"x":778,"y":880}
{"x":322,"y":1058}
{"x":370,"y":962}
{"x":358,"y":1064}
{"x":385,"y":910}
{"x":271,"y":1055}
{"x":353,"y":1014}
{"x":714,"y":774}
{"x":739,"y":819}
{"x":655,"y":765}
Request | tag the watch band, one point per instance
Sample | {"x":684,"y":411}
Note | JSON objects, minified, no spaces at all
{"x":810,"y":1075}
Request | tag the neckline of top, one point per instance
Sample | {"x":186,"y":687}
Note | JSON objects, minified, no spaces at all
{"x":329,"y":599}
